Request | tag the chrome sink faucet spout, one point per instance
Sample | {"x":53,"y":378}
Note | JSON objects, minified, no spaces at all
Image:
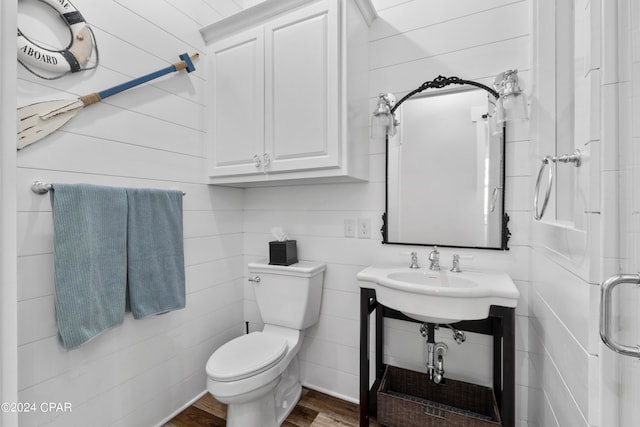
{"x":434,"y":259}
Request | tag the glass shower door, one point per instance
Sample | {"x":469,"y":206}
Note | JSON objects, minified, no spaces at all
{"x":619,"y":374}
{"x":626,"y":315}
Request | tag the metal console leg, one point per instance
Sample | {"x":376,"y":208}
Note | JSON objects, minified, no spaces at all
{"x":364,"y":357}
{"x":509,"y":369}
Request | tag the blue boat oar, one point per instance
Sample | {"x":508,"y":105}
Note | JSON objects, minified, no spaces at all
{"x":35,"y":121}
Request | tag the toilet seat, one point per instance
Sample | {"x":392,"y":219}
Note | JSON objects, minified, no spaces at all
{"x":246,"y":356}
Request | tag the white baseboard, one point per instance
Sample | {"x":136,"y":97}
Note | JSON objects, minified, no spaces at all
{"x":304,"y":384}
{"x":330,"y":392}
{"x":182,"y":408}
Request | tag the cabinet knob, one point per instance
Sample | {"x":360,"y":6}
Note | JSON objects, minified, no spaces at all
{"x":266,"y":159}
{"x":258,"y":161}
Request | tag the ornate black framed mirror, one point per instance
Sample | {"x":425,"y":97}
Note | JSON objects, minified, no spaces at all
{"x":445,"y":168}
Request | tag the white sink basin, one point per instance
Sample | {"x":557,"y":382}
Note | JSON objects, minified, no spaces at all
{"x":439,"y":296}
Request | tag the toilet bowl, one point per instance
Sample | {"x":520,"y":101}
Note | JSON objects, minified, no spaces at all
{"x":257,"y":375}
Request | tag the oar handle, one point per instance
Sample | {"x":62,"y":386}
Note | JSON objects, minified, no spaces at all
{"x":186,"y":63}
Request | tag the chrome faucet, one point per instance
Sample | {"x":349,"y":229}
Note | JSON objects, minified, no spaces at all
{"x":434,"y":259}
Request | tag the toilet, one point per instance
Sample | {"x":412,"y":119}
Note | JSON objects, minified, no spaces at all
{"x":257,"y":375}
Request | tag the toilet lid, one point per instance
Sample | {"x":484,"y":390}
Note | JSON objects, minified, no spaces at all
{"x":245,"y":356}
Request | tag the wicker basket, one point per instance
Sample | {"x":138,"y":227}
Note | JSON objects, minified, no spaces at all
{"x":408,"y":399}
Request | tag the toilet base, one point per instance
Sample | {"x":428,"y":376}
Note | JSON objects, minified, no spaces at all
{"x":288,"y":391}
{"x":283,"y":411}
{"x":262,"y":412}
{"x":268,"y":406}
{"x":259,"y":412}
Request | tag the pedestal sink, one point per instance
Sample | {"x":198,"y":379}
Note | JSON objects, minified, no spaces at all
{"x":439,"y":296}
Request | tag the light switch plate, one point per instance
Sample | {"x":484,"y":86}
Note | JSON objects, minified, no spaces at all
{"x":349,"y":228}
{"x":364,"y":228}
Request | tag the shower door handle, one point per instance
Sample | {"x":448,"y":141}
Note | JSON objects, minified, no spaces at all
{"x":605,"y":313}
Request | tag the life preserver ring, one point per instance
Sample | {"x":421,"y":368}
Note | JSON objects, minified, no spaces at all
{"x":66,"y":60}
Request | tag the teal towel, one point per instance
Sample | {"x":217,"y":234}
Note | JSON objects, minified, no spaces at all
{"x":90,"y":243}
{"x":155,"y":252}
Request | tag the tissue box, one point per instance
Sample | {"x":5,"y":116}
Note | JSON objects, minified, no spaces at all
{"x":283,"y":253}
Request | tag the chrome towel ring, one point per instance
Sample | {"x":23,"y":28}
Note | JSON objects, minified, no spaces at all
{"x":537,"y":214}
{"x":575,"y":158}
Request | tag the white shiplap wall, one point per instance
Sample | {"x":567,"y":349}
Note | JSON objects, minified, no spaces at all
{"x":410,"y":42}
{"x":140,"y":372}
{"x":573,"y":375}
{"x":8,"y":235}
{"x":629,"y":30}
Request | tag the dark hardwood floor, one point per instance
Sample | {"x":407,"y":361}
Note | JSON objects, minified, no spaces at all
{"x":314,"y":409}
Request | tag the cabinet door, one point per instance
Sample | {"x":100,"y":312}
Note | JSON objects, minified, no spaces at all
{"x":302,"y":90}
{"x":237,"y":126}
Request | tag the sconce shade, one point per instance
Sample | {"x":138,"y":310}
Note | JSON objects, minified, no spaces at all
{"x":512,"y":107}
{"x":512,"y":103}
{"x":383,"y":122}
{"x":379,"y":123}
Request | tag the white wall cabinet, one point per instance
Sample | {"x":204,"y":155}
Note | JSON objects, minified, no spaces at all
{"x":288,"y":94}
{"x":236,"y":105}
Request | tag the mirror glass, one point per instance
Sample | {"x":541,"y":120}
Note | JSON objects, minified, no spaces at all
{"x":445,"y":173}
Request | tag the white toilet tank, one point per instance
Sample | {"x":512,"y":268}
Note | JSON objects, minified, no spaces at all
{"x":290,"y":295}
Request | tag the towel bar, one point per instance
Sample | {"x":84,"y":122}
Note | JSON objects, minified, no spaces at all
{"x":40,"y":187}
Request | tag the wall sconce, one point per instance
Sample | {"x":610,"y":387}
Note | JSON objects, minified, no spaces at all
{"x":383,"y":121}
{"x":511,"y":102}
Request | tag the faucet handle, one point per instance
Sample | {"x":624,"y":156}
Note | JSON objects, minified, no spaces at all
{"x":455,"y":265}
{"x":414,"y":259}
